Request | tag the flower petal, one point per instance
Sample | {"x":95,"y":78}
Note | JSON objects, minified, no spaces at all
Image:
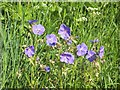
{"x":91,"y":55}
{"x":64,"y":32}
{"x":101,"y":52}
{"x":30,"y":51}
{"x":51,"y":40}
{"x":67,"y":58}
{"x":82,"y":49}
{"x":38,"y":29}
{"x":32,"y":21}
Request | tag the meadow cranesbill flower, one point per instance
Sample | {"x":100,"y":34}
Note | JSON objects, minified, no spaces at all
{"x":47,"y":69}
{"x":32,"y":21}
{"x":64,"y":32}
{"x":51,"y":40}
{"x":38,"y":29}
{"x":82,"y":49}
{"x":91,"y":55}
{"x":101,"y":52}
{"x":67,"y":58}
{"x":29,"y":51}
{"x":69,"y":42}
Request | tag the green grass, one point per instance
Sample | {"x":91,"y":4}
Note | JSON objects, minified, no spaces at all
{"x":18,"y":72}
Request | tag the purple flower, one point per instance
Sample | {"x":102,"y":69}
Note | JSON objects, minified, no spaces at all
{"x":38,"y":29}
{"x":51,"y":40}
{"x":69,"y":42}
{"x":67,"y":58}
{"x":91,"y":55}
{"x":101,"y":52}
{"x":64,"y":32}
{"x":47,"y":69}
{"x":82,"y":49}
{"x":94,"y":41}
{"x":30,"y":51}
{"x":32,"y":21}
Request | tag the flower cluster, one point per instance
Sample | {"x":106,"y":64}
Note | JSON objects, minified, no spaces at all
{"x":91,"y":55}
{"x":65,"y":33}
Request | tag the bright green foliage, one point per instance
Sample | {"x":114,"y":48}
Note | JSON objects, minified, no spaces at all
{"x":86,"y":20}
